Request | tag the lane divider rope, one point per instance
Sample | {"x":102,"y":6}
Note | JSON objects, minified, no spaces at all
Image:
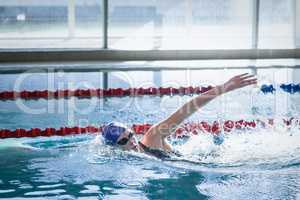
{"x":214,"y":127}
{"x":112,"y":92}
{"x":289,"y":88}
{"x":119,"y":92}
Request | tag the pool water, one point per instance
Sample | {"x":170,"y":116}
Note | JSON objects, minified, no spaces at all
{"x":257,"y":164}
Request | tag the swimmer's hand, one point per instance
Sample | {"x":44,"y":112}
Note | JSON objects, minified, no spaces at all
{"x":238,"y":81}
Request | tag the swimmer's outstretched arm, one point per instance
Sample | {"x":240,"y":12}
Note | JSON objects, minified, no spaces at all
{"x":167,"y":126}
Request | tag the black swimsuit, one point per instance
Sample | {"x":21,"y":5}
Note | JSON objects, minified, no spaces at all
{"x":158,"y":153}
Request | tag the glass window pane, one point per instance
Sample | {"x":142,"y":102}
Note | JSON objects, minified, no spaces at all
{"x":89,"y":18}
{"x":297,"y":23}
{"x":276,"y":29}
{"x":50,"y":24}
{"x":180,"y":24}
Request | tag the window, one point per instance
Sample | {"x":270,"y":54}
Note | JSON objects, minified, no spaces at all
{"x":276,"y":29}
{"x":148,"y":25}
{"x":50,"y":24}
{"x":178,"y":24}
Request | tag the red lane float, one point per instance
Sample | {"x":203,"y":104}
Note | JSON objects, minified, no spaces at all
{"x":192,"y":127}
{"x":112,"y":92}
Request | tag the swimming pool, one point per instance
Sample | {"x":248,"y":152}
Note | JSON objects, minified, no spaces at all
{"x":254,"y":164}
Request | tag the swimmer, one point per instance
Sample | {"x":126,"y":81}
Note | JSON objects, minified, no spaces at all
{"x":154,"y":140}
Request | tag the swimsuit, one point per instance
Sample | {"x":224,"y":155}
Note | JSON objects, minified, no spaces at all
{"x":158,"y":153}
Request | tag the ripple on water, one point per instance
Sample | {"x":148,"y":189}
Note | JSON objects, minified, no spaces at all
{"x":51,"y":186}
{"x":91,"y":189}
{"x":25,"y":186}
{"x":43,"y":192}
{"x":7,"y":191}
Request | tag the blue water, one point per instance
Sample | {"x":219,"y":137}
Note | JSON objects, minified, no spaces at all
{"x":262,"y":165}
{"x":258,"y":164}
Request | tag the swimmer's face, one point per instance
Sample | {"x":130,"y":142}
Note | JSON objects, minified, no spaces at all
{"x":127,"y":140}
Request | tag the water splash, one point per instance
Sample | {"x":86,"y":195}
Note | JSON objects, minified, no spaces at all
{"x":273,"y":148}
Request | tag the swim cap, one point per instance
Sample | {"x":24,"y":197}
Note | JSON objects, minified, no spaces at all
{"x":112,"y":132}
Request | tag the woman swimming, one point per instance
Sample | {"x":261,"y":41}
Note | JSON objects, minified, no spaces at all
{"x":154,"y":140}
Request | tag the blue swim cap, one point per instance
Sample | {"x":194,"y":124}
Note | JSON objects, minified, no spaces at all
{"x":112,"y":132}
